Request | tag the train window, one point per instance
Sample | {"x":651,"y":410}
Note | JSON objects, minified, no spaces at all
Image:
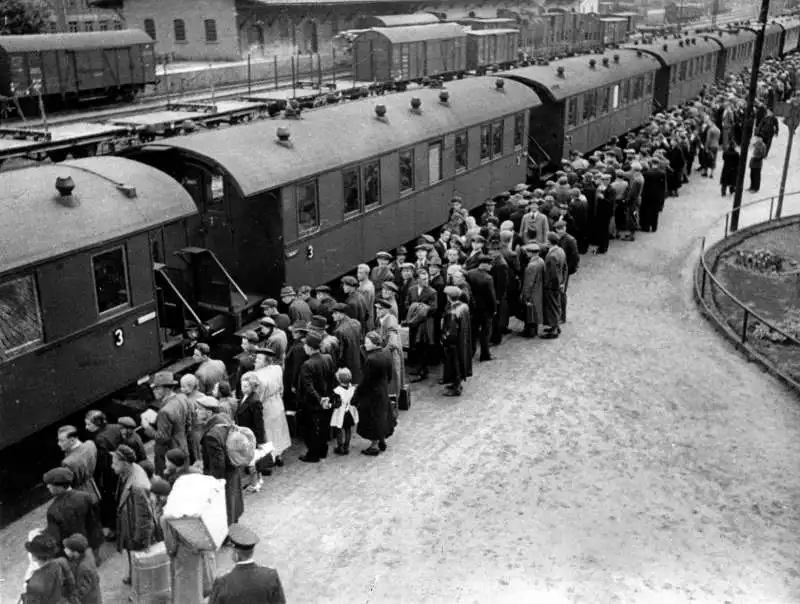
{"x":689,"y":69}
{"x":588,"y":106}
{"x":351,"y":193}
{"x":615,"y":96}
{"x":519,"y":130}
{"x":497,"y":139}
{"x":605,"y":100}
{"x":179,"y":25}
{"x":371,"y":177}
{"x":682,"y":72}
{"x":211,"y":30}
{"x":434,"y":162}
{"x":626,"y":92}
{"x":572,"y":111}
{"x":307,"y":207}
{"x":638,"y":88}
{"x":110,"y":280}
{"x":20,"y":318}
{"x":73,"y":27}
{"x":406,"y":170}
{"x":486,"y":142}
{"x":708,"y":62}
{"x":461,"y":152}
{"x":648,"y":84}
{"x":150,"y":28}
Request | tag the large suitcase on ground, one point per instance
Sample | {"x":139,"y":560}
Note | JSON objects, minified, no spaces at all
{"x":151,"y":577}
{"x":404,"y":398}
{"x":196,"y":510}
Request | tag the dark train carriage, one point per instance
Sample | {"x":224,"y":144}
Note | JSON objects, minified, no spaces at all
{"x":479,"y":24}
{"x":687,"y":64}
{"x":397,"y":20}
{"x":791,"y":35}
{"x":736,"y":50}
{"x":306,"y":208}
{"x":613,"y":30}
{"x":632,"y":19}
{"x":587,"y":100}
{"x":772,"y":38}
{"x":403,"y":54}
{"x":77,"y":65}
{"x":492,"y":47}
{"x":78,"y":304}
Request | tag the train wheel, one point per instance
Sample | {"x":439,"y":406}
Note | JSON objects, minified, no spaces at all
{"x":57,"y":156}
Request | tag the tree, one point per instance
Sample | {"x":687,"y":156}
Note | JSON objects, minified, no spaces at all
{"x":22,"y":17}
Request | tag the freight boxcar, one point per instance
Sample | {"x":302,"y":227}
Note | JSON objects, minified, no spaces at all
{"x":791,"y":35}
{"x":492,"y":47}
{"x":77,"y":66}
{"x":772,"y":38}
{"x":477,"y":23}
{"x":736,"y":49}
{"x":404,"y":54}
{"x":397,"y":20}
{"x":613,"y":31}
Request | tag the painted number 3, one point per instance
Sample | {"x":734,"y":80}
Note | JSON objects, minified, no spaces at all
{"x":119,"y":337}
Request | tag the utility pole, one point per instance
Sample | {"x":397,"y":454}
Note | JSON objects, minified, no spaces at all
{"x":748,"y":116}
{"x":791,"y":120}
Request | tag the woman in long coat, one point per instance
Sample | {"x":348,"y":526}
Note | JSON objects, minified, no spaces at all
{"x":532,"y":295}
{"x":372,"y":396}
{"x":107,"y":437}
{"x":730,"y":168}
{"x":389,"y":330}
{"x":276,"y":428}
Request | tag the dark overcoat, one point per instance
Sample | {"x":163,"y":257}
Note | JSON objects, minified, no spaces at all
{"x":248,"y":584}
{"x":74,"y":512}
{"x":52,"y":583}
{"x":533,"y":291}
{"x":87,"y":580}
{"x":730,"y":167}
{"x":348,"y":332}
{"x":135,"y":520}
{"x":555,"y":277}
{"x":217,"y":464}
{"x":250,"y":414}
{"x":358,"y":308}
{"x":457,"y":342}
{"x":107,"y":440}
{"x":372,"y":396}
{"x":422,"y":332}
{"x":482,"y":287}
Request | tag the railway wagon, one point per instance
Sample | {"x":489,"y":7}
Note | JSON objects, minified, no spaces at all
{"x":613,"y":31}
{"x":479,"y":24}
{"x":78,"y":304}
{"x":299,"y":208}
{"x":403,"y":54}
{"x":492,"y":47}
{"x":772,"y":38}
{"x":397,"y":20}
{"x":586,"y":100}
{"x":632,"y":19}
{"x":737,"y":49}
{"x":791,"y":35}
{"x":687,"y":63}
{"x":77,"y":66}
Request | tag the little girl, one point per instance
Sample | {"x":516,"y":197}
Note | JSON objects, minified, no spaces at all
{"x":344,"y":416}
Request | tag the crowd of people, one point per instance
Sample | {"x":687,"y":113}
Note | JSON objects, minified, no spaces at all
{"x":343,"y":365}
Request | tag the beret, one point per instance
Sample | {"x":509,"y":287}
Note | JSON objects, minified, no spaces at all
{"x":127,"y":422}
{"x":59,"y":477}
{"x":76,"y":542}
{"x":350,"y":280}
{"x":323,"y":289}
{"x":242,"y":537}
{"x":159,"y":486}
{"x":125,"y":453}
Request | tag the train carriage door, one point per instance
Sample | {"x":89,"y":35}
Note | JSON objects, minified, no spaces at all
{"x":123,"y":62}
{"x":111,"y":68}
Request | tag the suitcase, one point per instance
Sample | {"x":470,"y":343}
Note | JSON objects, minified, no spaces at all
{"x":404,"y":398}
{"x":151,"y":577}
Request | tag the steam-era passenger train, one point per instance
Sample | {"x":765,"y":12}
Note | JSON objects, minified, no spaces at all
{"x":107,"y":263}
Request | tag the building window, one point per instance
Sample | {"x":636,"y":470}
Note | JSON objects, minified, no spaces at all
{"x":110,"y":280}
{"x":150,"y":28}
{"x":372,"y":184}
{"x":180,"y":30}
{"x":572,"y":112}
{"x":519,"y":130}
{"x":682,"y":72}
{"x":211,"y":30}
{"x":406,"y":170}
{"x":73,"y":27}
{"x":351,"y":192}
{"x":20,"y":319}
{"x":118,"y":27}
{"x":434,"y":162}
{"x":497,"y":139}
{"x":486,"y":142}
{"x":103,"y":25}
{"x":461,"y":152}
{"x":307,"y":208}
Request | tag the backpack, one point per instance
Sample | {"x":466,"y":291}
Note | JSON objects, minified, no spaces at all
{"x":240,"y":445}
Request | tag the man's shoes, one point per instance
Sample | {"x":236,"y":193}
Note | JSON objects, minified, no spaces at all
{"x":371,"y":452}
{"x":309,"y":458}
{"x":340,"y":451}
{"x":382,"y":445}
{"x":452,"y":392}
{"x":486,"y":359}
{"x":550,"y":335}
{"x":419,"y":378}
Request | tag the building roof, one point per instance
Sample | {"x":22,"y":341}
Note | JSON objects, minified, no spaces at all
{"x":36,"y":226}
{"x":399,"y":20}
{"x":497,"y":20}
{"x":492,"y":32}
{"x":418,"y":33}
{"x":91,"y":39}
{"x":579,"y":76}
{"x":670,"y":51}
{"x":343,"y":135}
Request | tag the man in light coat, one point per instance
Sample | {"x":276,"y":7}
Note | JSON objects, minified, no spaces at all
{"x":81,"y":459}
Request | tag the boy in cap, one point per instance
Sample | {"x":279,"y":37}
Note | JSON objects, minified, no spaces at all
{"x":382,"y":273}
{"x":84,"y":570}
{"x":129,"y":437}
{"x":248,"y":582}
{"x":297,"y":309}
{"x":71,"y":511}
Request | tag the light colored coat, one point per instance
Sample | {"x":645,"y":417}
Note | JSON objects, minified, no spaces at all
{"x":276,"y":428}
{"x":82,"y":461}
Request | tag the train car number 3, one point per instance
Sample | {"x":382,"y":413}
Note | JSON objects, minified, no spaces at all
{"x":119,"y":338}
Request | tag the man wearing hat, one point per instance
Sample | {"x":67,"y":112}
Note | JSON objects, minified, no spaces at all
{"x":532,"y":294}
{"x":84,"y":568}
{"x":457,"y":219}
{"x":295,"y":357}
{"x":173,"y":422}
{"x":421,"y":252}
{"x":276,"y":339}
{"x":49,"y":578}
{"x":248,"y":582}
{"x":456,"y":325}
{"x":270,"y":307}
{"x":555,"y":278}
{"x":489,"y":212}
{"x":389,"y":293}
{"x":389,"y":330}
{"x":355,"y":301}
{"x":315,"y":385}
{"x":211,"y":371}
{"x":483,"y":292}
{"x":534,"y":226}
{"x":245,"y":360}
{"x":135,"y":522}
{"x":348,"y":332}
{"x":81,"y":459}
{"x":367,"y":290}
{"x":478,"y":243}
{"x":421,"y":302}
{"x":399,"y":260}
{"x":326,"y":302}
{"x":71,"y":511}
{"x":330,"y":344}
{"x":382,"y":273}
{"x":297,"y":309}
{"x":407,"y":272}
{"x":603,"y":214}
{"x":129,"y":437}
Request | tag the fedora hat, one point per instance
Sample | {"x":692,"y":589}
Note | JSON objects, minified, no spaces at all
{"x":43,"y":546}
{"x":163,"y":378}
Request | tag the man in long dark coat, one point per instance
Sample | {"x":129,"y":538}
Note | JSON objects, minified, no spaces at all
{"x":216,"y":463}
{"x":174,"y":421}
{"x":456,"y":340}
{"x":420,"y":324}
{"x":315,"y":385}
{"x":654,"y":193}
{"x":71,"y":511}
{"x":570,"y":246}
{"x":372,"y":396}
{"x":482,"y":285}
{"x":501,"y":277}
{"x":348,"y":331}
{"x":532,"y":296}
{"x":730,"y":168}
{"x":555,"y":277}
{"x":355,"y":300}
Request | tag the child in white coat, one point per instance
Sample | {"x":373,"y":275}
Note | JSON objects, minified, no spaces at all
{"x":344,"y":416}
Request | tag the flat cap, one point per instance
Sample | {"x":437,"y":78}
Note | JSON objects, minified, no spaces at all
{"x":76,"y":543}
{"x":176,"y":456}
{"x":319,"y":323}
{"x":269,"y":303}
{"x":313,"y":340}
{"x":350,"y":280}
{"x":299,"y":326}
{"x":61,"y":477}
{"x":401,"y":250}
{"x":408,"y":266}
{"x":287,"y":290}
{"x":341,"y":307}
{"x":159,"y":486}
{"x":424,"y":246}
{"x":242,"y":537}
{"x":125,"y":453}
{"x":268,"y":321}
{"x":127,"y":422}
{"x":384,"y":255}
{"x":427,"y":238}
{"x":323,"y":289}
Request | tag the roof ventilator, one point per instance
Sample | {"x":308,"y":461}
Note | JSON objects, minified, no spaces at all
{"x":639,"y":53}
{"x":416,"y":103}
{"x":444,"y":97}
{"x":616,"y":58}
{"x":499,"y":84}
{"x":680,"y":43}
{"x":560,"y":71}
{"x":284,"y":136}
{"x":380,"y":112}
{"x":592,"y":63}
{"x":665,"y":47}
{"x":606,"y":61}
{"x":65,"y":185}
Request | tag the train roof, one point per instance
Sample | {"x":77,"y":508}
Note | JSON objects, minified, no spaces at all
{"x":579,"y":76}
{"x":612,"y":19}
{"x":730,"y":37}
{"x":399,"y":20}
{"x":755,"y":27}
{"x":90,"y":39}
{"x":468,"y":20}
{"x":36,"y":226}
{"x":670,"y":51}
{"x":418,"y":33}
{"x":492,"y":32}
{"x":328,"y":139}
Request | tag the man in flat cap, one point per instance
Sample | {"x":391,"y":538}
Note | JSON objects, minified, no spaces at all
{"x":555,"y":278}
{"x":297,"y":309}
{"x":483,"y":292}
{"x":275,"y":338}
{"x":326,"y":302}
{"x":456,"y":341}
{"x":356,"y":302}
{"x":348,"y":332}
{"x":174,"y":421}
{"x":367,"y":290}
{"x":245,"y":360}
{"x":270,"y":307}
{"x":315,"y":385}
{"x":135,"y":521}
{"x":407,"y":272}
{"x":83,"y":565}
{"x":71,"y":511}
{"x":421,"y":302}
{"x":457,"y":219}
{"x":532,"y":294}
{"x":396,"y":266}
{"x":248,"y":582}
{"x":382,"y":273}
{"x":127,"y":426}
{"x":81,"y":459}
{"x":295,"y":357}
{"x":210,"y":371}
{"x":478,"y":243}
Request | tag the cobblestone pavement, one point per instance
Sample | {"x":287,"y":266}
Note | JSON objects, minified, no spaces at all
{"x":638,"y":458}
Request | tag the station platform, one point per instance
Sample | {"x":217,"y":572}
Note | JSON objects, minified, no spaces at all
{"x":637,"y":458}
